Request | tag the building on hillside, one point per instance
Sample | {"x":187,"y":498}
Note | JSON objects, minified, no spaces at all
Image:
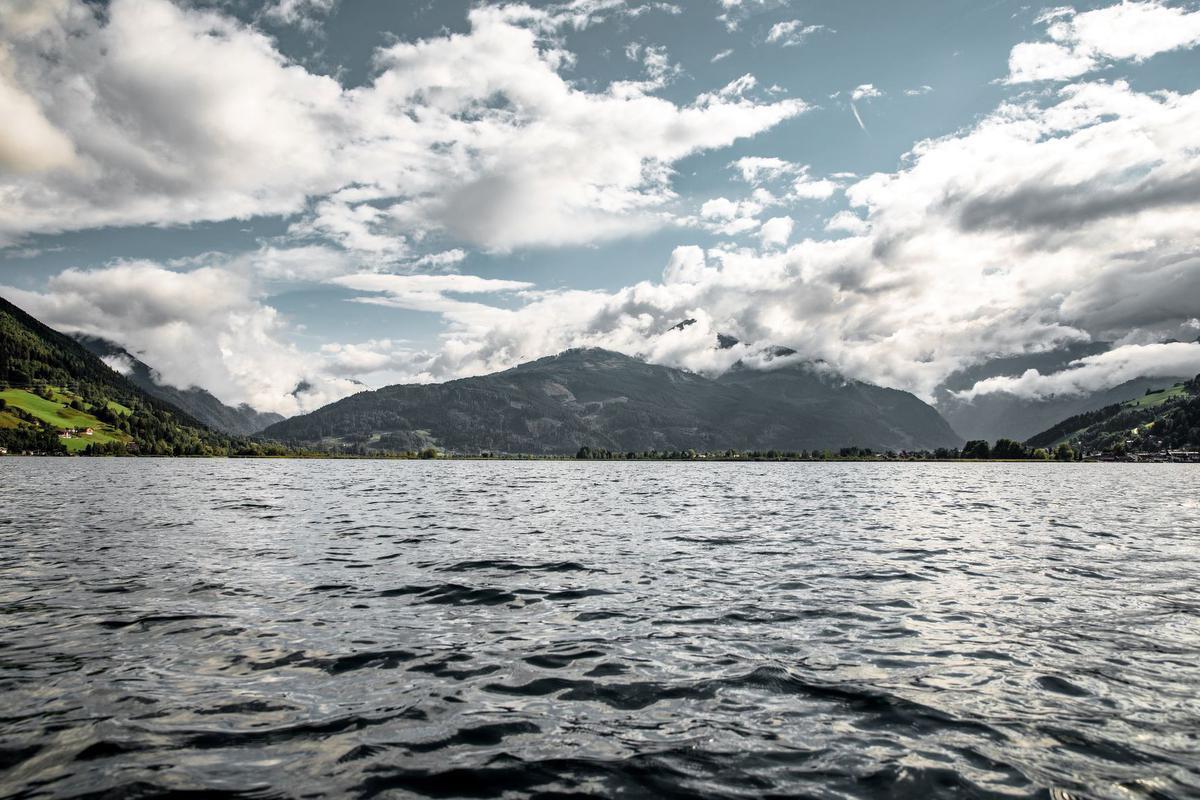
{"x":88,"y":432}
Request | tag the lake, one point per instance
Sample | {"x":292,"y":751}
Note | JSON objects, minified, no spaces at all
{"x":473,"y":628}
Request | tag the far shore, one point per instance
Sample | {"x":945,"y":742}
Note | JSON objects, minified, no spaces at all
{"x":1137,"y":458}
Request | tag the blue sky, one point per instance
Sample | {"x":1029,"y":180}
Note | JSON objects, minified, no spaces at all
{"x":252,"y":196}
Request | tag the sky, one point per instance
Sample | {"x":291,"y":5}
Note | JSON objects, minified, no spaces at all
{"x":284,"y":201}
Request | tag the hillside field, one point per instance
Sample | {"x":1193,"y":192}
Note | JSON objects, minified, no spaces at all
{"x":59,"y":414}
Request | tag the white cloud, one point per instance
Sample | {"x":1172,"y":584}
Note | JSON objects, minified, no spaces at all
{"x":119,"y":363}
{"x":791,"y":33}
{"x":847,"y":221}
{"x":759,"y":171}
{"x":154,"y":113}
{"x":734,"y":12}
{"x":919,"y":90}
{"x":730,"y":217}
{"x":806,"y":187}
{"x":864,"y":91}
{"x":425,"y":292}
{"x":1082,"y":42}
{"x":776,"y":231}
{"x":1099,"y":372}
{"x":28,"y":141}
{"x":445,"y":258}
{"x":305,"y":14}
{"x":721,"y":56}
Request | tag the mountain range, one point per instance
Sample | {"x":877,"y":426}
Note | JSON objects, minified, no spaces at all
{"x":50,"y":382}
{"x":602,"y":399}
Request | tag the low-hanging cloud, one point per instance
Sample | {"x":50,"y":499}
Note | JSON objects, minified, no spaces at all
{"x":1102,"y":371}
{"x":204,"y":327}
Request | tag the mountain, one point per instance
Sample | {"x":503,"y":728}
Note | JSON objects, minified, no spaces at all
{"x":603,"y":399}
{"x":199,"y":403}
{"x":50,"y":384}
{"x":1002,"y":414}
{"x":1165,"y":418}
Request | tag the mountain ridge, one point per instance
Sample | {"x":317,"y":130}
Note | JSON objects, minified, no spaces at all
{"x":601,"y":398}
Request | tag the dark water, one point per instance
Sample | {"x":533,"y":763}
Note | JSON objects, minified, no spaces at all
{"x":394,"y":629}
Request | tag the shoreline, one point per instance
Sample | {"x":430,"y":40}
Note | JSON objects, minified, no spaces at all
{"x":1135,"y":459}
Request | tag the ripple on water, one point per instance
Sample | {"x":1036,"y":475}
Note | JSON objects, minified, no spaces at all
{"x":383,"y":629}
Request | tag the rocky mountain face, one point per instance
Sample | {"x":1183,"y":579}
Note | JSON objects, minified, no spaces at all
{"x":604,"y":399}
{"x":199,"y":403}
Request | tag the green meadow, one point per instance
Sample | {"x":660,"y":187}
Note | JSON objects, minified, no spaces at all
{"x":1159,"y":397}
{"x":58,"y":413}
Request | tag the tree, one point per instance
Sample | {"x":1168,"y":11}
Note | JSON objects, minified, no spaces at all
{"x":584,"y":453}
{"x":976,"y":448}
{"x":429,"y":452}
{"x":1007,"y":448}
{"x":1064,"y":452}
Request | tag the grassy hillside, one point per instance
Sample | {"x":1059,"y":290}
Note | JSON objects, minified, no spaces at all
{"x":1165,"y":418}
{"x":62,"y":411}
{"x":1156,"y":398}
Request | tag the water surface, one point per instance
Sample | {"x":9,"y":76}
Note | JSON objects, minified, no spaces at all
{"x":399,"y":629}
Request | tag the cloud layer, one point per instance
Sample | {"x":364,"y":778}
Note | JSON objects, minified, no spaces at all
{"x":1103,"y":371}
{"x":152,"y":113}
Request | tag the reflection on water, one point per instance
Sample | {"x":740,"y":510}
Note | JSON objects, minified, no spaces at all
{"x":307,"y":629}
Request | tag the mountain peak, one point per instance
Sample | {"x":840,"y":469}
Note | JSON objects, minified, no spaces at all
{"x":601,"y":398}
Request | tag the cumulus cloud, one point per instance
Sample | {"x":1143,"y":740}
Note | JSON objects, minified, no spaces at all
{"x":154,"y":113}
{"x":1098,"y":372}
{"x":921,"y":283}
{"x":846,"y":221}
{"x":767,"y":171}
{"x":28,"y":141}
{"x":1133,"y":30}
{"x":776,"y":231}
{"x":730,"y":217}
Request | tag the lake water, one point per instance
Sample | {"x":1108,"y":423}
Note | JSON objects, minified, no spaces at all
{"x":395,"y":629}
